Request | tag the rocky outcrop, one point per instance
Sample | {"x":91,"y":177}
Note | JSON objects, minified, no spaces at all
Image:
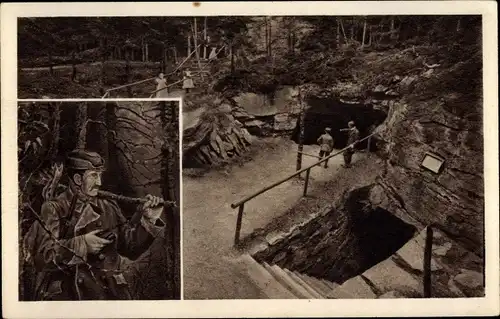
{"x":215,"y":136}
{"x":449,"y":126}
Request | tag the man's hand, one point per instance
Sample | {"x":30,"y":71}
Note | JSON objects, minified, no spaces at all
{"x":94,"y":242}
{"x":152,"y":202}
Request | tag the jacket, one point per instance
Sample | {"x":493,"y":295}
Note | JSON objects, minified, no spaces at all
{"x":65,"y":270}
{"x":326,"y":142}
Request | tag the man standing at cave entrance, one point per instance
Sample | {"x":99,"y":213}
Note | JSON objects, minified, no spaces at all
{"x":77,"y":242}
{"x":352,"y":139}
{"x":326,"y":145}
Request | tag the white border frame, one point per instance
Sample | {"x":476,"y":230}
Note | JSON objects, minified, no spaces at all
{"x":488,"y":305}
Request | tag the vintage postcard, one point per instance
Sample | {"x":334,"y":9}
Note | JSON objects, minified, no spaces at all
{"x":250,"y":159}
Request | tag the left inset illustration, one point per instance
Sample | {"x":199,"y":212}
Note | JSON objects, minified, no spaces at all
{"x":99,"y":200}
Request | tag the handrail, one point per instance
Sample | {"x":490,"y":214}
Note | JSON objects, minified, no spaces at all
{"x":172,"y":84}
{"x":249,"y":197}
{"x":196,"y":73}
{"x":148,"y":79}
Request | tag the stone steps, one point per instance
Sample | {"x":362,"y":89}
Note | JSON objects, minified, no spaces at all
{"x":279,"y":283}
{"x":261,"y":277}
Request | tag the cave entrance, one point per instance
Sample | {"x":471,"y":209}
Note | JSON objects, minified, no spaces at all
{"x":342,"y":244}
{"x":330,"y":112}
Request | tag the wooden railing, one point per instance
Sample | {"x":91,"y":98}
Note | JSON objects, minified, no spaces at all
{"x":241,"y":203}
{"x":152,"y":94}
{"x":106,"y":94}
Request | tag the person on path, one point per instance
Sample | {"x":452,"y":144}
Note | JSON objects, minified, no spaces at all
{"x":188,"y":81}
{"x":77,"y":243}
{"x":326,"y":145}
{"x":352,"y":139}
{"x":213,"y":54}
{"x":161,"y":83}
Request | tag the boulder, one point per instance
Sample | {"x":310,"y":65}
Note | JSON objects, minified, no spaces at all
{"x":380,"y":89}
{"x":412,"y":253}
{"x":407,"y":80}
{"x":354,"y":288}
{"x":284,"y":122}
{"x":387,"y":276}
{"x":470,"y":282}
{"x":428,"y":73}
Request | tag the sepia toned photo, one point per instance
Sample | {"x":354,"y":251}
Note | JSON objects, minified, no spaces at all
{"x":334,"y":159}
{"x":250,"y":159}
{"x":99,"y":200}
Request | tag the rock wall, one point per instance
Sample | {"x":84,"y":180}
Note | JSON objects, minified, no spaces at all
{"x":448,"y":124}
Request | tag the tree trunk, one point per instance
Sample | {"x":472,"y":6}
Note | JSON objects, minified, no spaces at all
{"x":301,"y":132}
{"x":337,"y":38}
{"x":73,"y":66}
{"x":343,"y":31}
{"x":352,"y":29}
{"x":170,"y":189}
{"x":146,"y":50}
{"x":231,"y":53}
{"x":142,"y":49}
{"x":289,"y":39}
{"x":103,"y":59}
{"x":189,"y":45}
{"x":270,"y":36}
{"x":128,"y":75}
{"x":364,"y":33}
{"x":197,"y":53}
{"x":267,"y":36}
{"x":370,"y":37}
{"x":113,"y":176}
{"x":51,"y":67}
{"x":175,"y":55}
{"x":205,"y":39}
{"x":458,"y":25}
{"x":81,"y":125}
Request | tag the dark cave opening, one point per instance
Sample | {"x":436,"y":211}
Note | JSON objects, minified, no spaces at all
{"x":374,"y":237}
{"x":330,"y":112}
{"x":342,"y":244}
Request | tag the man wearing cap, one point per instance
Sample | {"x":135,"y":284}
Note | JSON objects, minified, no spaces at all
{"x":80,"y":237}
{"x":326,"y":144}
{"x":352,"y":139}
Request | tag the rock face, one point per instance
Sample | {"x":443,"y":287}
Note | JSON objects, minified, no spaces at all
{"x":215,"y":136}
{"x":449,"y":126}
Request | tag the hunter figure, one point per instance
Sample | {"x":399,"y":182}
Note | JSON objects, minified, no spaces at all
{"x":78,"y":241}
{"x":352,"y":139}
{"x":326,"y":145}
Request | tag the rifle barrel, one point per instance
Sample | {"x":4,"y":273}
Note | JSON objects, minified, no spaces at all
{"x":121,"y":198}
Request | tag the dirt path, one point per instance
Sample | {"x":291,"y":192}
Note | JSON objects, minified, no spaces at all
{"x":209,"y":221}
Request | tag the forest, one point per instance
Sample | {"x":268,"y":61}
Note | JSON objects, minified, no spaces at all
{"x":83,"y":57}
{"x":139,"y":143}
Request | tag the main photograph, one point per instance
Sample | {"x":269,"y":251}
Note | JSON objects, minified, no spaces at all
{"x":99,"y":190}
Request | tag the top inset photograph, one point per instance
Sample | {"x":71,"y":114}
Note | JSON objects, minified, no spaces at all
{"x":130,"y":57}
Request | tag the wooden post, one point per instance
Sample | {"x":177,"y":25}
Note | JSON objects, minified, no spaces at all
{"x":306,"y":182}
{"x":238,"y":225}
{"x":175,"y":54}
{"x":205,"y":39}
{"x":301,"y":133}
{"x":364,"y":33}
{"x":427,"y":263}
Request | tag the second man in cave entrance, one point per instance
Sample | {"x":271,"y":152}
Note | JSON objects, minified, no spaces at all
{"x":326,"y":144}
